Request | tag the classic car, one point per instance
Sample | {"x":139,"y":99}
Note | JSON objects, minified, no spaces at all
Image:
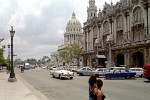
{"x":100,"y":72}
{"x":138,"y":71}
{"x":52,"y":69}
{"x":85,"y":71}
{"x":63,"y":74}
{"x":120,"y":72}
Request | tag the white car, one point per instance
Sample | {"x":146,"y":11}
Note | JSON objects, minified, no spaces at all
{"x":100,"y":72}
{"x":63,"y":74}
{"x":53,"y":69}
{"x":139,"y":71}
{"x":85,"y":71}
{"x":43,"y":67}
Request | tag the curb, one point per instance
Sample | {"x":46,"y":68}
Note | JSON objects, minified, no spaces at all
{"x":35,"y":92}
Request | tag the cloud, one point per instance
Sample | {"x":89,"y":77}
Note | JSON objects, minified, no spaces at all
{"x":39,"y":24}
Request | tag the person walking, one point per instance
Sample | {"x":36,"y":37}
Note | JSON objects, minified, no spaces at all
{"x":98,"y":92}
{"x":92,"y":86}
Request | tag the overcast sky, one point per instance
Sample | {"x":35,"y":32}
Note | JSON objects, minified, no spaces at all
{"x":39,"y":24}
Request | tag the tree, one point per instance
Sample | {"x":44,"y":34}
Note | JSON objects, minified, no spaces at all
{"x":66,"y":55}
{"x":75,"y":50}
{"x":3,"y":62}
{"x":72,"y":52}
{"x":31,"y":61}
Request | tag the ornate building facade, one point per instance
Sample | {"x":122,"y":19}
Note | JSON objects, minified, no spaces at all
{"x":119,"y":32}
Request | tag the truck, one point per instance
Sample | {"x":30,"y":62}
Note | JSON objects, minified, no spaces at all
{"x":26,"y":66}
{"x":147,"y":71}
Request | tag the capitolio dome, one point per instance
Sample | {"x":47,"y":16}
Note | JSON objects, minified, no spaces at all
{"x":73,"y":21}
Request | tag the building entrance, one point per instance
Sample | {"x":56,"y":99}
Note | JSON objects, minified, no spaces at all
{"x":120,"y":59}
{"x":138,"y":59}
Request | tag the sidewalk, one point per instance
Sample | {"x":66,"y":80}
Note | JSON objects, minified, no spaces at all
{"x":19,"y":90}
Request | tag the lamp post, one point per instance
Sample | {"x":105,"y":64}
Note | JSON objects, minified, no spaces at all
{"x":12,"y":74}
{"x":110,"y":42}
{"x":8,"y":57}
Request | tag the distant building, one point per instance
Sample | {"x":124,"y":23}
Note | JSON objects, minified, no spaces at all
{"x":117,"y":35}
{"x":73,"y":34}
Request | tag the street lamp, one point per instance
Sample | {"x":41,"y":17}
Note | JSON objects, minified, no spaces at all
{"x":12,"y":74}
{"x":8,"y":55}
{"x":109,"y":42}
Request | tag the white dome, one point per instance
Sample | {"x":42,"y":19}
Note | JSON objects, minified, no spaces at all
{"x":73,"y":22}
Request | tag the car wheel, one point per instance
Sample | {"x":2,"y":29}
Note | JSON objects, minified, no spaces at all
{"x":96,"y":75}
{"x":141,"y":75}
{"x":53,"y":76}
{"x":71,"y":78}
{"x":128,"y":77}
{"x":60,"y":76}
{"x":81,"y":74}
{"x":108,"y":77}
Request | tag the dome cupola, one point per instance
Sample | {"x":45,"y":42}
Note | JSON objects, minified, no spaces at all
{"x":73,"y":21}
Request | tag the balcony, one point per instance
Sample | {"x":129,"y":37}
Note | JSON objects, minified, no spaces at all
{"x":106,"y":32}
{"x":119,"y":29}
{"x":138,"y":23}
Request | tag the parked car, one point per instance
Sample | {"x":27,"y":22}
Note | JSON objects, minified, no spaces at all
{"x":147,"y":71}
{"x":120,"y":72}
{"x":100,"y":72}
{"x":1,"y":67}
{"x":43,"y":67}
{"x":138,"y":71}
{"x":85,"y":71}
{"x":111,"y":69}
{"x":63,"y":74}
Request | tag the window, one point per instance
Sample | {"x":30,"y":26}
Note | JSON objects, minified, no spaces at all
{"x":137,"y":14}
{"x":120,"y":22}
{"x":106,"y":27}
{"x":83,"y":68}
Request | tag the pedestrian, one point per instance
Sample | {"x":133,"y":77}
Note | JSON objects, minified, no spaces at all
{"x":8,"y":69}
{"x":98,"y":92}
{"x":92,"y":85}
{"x":22,"y":69}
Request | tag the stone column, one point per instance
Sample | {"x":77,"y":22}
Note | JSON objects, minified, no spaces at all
{"x":91,"y":38}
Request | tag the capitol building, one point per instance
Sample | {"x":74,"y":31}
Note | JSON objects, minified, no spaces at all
{"x":73,"y":34}
{"x":117,"y":35}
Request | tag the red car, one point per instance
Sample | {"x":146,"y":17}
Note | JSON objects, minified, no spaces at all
{"x":147,"y":71}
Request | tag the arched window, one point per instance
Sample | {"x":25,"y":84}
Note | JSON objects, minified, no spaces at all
{"x":119,"y":22}
{"x":137,"y":19}
{"x":119,"y":38}
{"x":106,"y":27}
{"x":137,"y":14}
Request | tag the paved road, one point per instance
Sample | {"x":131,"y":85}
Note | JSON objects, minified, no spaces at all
{"x":77,"y":89}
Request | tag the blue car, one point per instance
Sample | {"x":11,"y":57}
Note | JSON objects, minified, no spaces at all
{"x":119,"y":72}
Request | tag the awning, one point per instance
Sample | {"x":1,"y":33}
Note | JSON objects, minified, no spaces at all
{"x":98,"y":56}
